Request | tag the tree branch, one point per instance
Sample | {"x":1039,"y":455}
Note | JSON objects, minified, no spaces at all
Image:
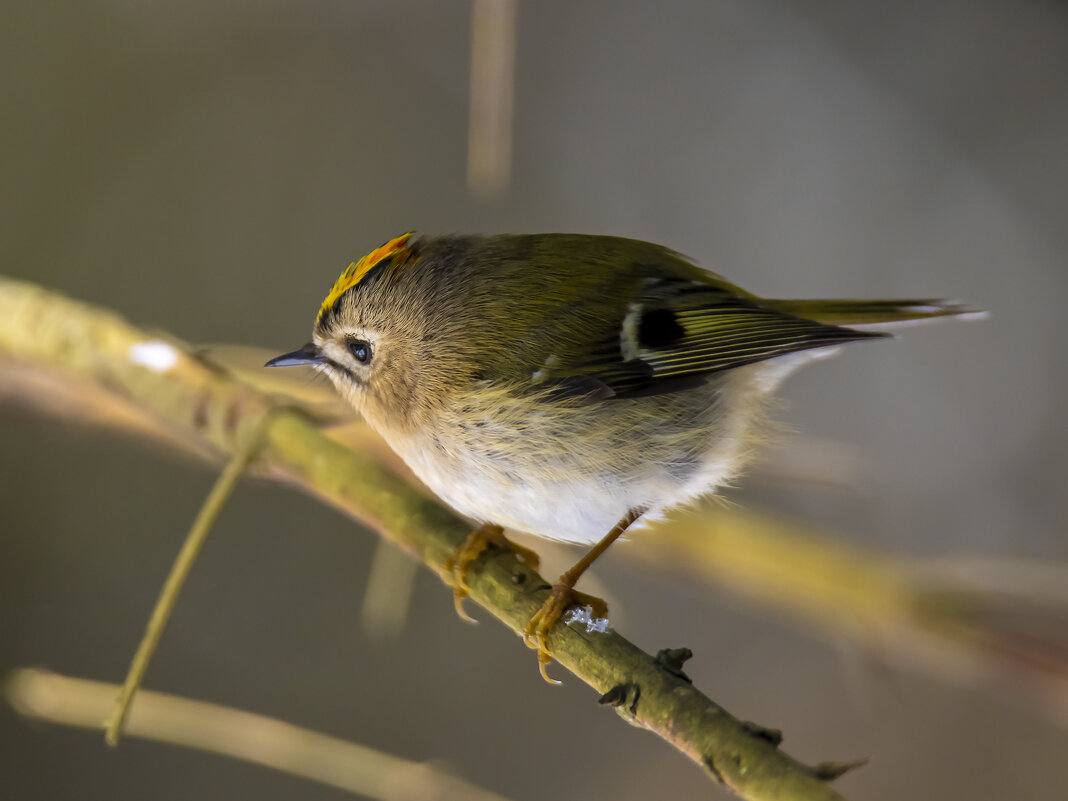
{"x":201,"y":402}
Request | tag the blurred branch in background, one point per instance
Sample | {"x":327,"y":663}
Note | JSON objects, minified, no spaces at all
{"x":201,"y":401}
{"x":241,"y":735}
{"x":492,"y":98}
{"x":997,"y":624}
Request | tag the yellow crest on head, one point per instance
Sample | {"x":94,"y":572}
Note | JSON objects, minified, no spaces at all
{"x":358,"y":270}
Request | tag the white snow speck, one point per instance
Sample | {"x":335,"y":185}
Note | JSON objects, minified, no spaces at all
{"x":585,"y":615}
{"x":156,"y":355}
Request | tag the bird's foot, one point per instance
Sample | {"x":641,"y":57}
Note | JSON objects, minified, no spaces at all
{"x":456,"y":566}
{"x":562,"y":596}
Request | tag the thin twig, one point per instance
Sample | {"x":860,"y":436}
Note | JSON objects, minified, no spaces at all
{"x":168,"y":597}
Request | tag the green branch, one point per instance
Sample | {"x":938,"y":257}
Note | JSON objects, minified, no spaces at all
{"x":204,"y":404}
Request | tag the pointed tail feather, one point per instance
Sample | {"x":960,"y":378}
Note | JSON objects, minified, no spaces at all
{"x":850,"y":313}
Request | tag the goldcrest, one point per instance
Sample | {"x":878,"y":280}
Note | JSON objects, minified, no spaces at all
{"x":566,"y":385}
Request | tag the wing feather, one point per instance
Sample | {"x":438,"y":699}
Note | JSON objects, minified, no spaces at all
{"x":677,"y":334}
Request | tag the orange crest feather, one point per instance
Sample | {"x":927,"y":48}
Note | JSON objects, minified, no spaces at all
{"x":358,"y":270}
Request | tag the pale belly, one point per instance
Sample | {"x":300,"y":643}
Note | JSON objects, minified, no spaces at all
{"x":571,"y":474}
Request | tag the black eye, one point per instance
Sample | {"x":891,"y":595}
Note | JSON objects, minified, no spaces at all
{"x":360,"y":350}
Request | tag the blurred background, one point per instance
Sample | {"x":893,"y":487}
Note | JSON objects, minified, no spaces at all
{"x":209,"y":168}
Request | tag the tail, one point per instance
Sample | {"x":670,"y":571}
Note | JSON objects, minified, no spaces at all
{"x":850,"y":313}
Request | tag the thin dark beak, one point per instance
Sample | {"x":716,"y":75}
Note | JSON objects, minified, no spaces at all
{"x":309,"y":354}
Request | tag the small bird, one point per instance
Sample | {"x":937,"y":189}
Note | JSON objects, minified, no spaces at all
{"x":567,"y":385}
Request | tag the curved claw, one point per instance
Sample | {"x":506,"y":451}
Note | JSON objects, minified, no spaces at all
{"x":537,"y":637}
{"x":455,"y":571}
{"x":544,"y":658}
{"x":458,"y":595}
{"x":562,"y":596}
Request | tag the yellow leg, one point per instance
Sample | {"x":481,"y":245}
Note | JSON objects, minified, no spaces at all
{"x":455,"y":573}
{"x":564,"y":595}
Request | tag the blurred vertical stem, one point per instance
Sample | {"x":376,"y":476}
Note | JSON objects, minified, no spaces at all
{"x":492,"y":100}
{"x":388,"y":594}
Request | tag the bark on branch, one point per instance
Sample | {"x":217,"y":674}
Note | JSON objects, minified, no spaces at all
{"x":202,"y":403}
